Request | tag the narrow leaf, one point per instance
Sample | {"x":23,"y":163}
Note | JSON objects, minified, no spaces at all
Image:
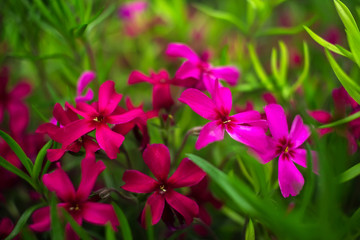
{"x":124,"y":224}
{"x":284,"y":61}
{"x":351,"y":87}
{"x":22,"y":221}
{"x":57,"y":230}
{"x":329,"y":46}
{"x":18,"y":151}
{"x":250,"y":231}
{"x":259,"y":69}
{"x":8,"y":166}
{"x":40,"y":159}
{"x":109,"y":232}
{"x":351,"y":173}
{"x":305,"y":73}
{"x":341,"y":121}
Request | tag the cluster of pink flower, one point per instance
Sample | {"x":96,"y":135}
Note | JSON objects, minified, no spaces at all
{"x":112,"y":122}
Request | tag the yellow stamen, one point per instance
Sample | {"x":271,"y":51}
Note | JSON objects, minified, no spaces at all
{"x":227,"y":121}
{"x":162,"y":188}
{"x":287,"y":149}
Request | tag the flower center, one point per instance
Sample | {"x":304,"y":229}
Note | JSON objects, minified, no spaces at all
{"x":98,"y":119}
{"x":286,"y":149}
{"x":74,"y":208}
{"x":162,"y":189}
{"x":226,"y":121}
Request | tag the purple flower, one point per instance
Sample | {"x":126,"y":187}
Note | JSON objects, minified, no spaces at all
{"x":200,"y":69}
{"x":287,"y":146}
{"x":246,"y":127}
{"x":157,"y":158}
{"x":128,"y":10}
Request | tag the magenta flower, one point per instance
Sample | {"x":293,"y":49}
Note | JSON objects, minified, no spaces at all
{"x":341,"y":100}
{"x":246,"y":127}
{"x":137,"y":124}
{"x":65,"y":117}
{"x":97,"y":117}
{"x":12,"y":102}
{"x":6,"y":227}
{"x":287,"y":146}
{"x":197,"y":68}
{"x":83,"y":82}
{"x":161,"y":96}
{"x":157,"y":158}
{"x":127,"y":11}
{"x":76,"y":203}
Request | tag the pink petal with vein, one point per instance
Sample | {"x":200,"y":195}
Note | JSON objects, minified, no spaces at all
{"x":138,"y":182}
{"x":59,"y":182}
{"x":108,"y":140}
{"x":156,"y":203}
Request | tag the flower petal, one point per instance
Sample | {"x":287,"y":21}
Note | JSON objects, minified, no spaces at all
{"x":90,"y":170}
{"x":55,"y":154}
{"x":186,"y":175}
{"x":108,"y":98}
{"x":254,"y":137}
{"x":19,"y":117}
{"x":161,"y":96}
{"x":181,"y":50}
{"x":222,"y":99}
{"x":321,"y":116}
{"x":138,"y":77}
{"x":246,"y":117}
{"x":100,"y":213}
{"x":124,"y":117}
{"x":59,"y":182}
{"x":290,"y":179}
{"x":156,"y":203}
{"x":108,"y":140}
{"x":184,"y":205}
{"x":64,"y":117}
{"x":41,"y":220}
{"x":138,"y":182}
{"x":299,"y":132}
{"x":277,"y":121}
{"x":211,"y":132}
{"x":21,"y":90}
{"x":229,"y":73}
{"x":74,"y":131}
{"x":188,"y":70}
{"x":157,"y":158}
{"x":199,"y":103}
{"x":84,"y":80}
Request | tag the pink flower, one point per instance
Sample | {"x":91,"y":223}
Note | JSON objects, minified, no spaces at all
{"x":13,"y":103}
{"x":65,"y":117}
{"x":127,"y":11}
{"x":161,"y":96}
{"x":83,"y":82}
{"x":245,"y":127}
{"x":97,"y":117}
{"x":75,"y":202}
{"x":6,"y":227}
{"x":137,"y":124}
{"x":341,"y":100}
{"x":200,"y":69}
{"x":157,"y":158}
{"x":286,"y":145}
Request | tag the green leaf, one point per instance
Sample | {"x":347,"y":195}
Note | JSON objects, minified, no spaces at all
{"x":18,"y":151}
{"x":351,"y":173}
{"x":250,"y":231}
{"x":80,"y":231}
{"x":22,"y":221}
{"x":57,"y":230}
{"x":305,"y":73}
{"x":223,"y":16}
{"x":124,"y":224}
{"x":346,"y":16}
{"x":109,"y":232}
{"x":351,"y":87}
{"x":341,"y":121}
{"x":149,"y":226}
{"x":259,"y":69}
{"x":341,"y":51}
{"x":354,"y":40}
{"x":40,"y":159}
{"x":274,"y":62}
{"x":8,"y":166}
{"x":284,"y":61}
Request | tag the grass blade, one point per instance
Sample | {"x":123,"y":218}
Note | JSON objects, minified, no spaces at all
{"x":40,"y":159}
{"x":124,"y":224}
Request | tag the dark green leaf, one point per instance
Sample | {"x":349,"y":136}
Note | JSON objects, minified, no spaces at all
{"x":351,"y":173}
{"x":40,"y":159}
{"x":124,"y":224}
{"x":22,"y":221}
{"x":18,"y":151}
{"x":109,"y":232}
{"x":57,"y":230}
